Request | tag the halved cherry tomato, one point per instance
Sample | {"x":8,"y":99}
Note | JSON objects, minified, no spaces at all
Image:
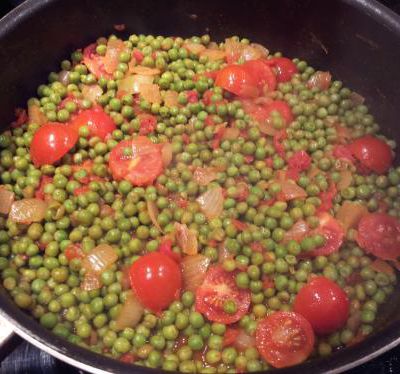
{"x":98,"y":121}
{"x":327,"y":198}
{"x":237,"y":80}
{"x":94,"y":62}
{"x":138,"y":161}
{"x":156,"y":280}
{"x":372,"y":153}
{"x":262,"y":73}
{"x":298,"y":162}
{"x":51,"y":142}
{"x":333,"y":232}
{"x":285,"y":68}
{"x":284,"y":339}
{"x":219,"y":287}
{"x":379,"y":234}
{"x":324,"y":304}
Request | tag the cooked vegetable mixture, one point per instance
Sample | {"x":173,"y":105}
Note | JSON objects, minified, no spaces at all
{"x":198,"y":206}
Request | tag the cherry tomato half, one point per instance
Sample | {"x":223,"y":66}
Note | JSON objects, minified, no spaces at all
{"x":98,"y":121}
{"x":285,"y":68}
{"x":138,"y":161}
{"x":237,"y":80}
{"x":51,"y":142}
{"x":324,"y":304}
{"x":333,"y":232}
{"x":262,"y":73}
{"x":284,"y":339}
{"x":373,"y":153}
{"x":379,"y":234}
{"x":156,"y":280}
{"x":219,"y":287}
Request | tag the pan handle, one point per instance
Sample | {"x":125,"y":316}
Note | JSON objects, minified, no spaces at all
{"x":8,"y":339}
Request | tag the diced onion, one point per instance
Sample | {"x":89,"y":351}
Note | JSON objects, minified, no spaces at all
{"x":36,"y":115}
{"x":132,"y":83}
{"x":194,"y":270}
{"x":151,"y":93}
{"x":130,"y":313}
{"x":171,"y":98}
{"x":212,"y":202}
{"x":356,"y":98}
{"x":223,"y":253}
{"x":231,"y":133}
{"x":350,"y":214}
{"x":6,"y":200}
{"x":28,"y":210}
{"x":203,"y":176}
{"x":244,"y":341}
{"x":99,"y":259}
{"x":111,"y":58}
{"x":186,"y":239}
{"x":297,"y":232}
{"x":213,"y":54}
{"x":320,"y":79}
{"x":91,"y":92}
{"x":382,"y":266}
{"x":291,"y":190}
{"x":63,"y":77}
{"x":194,"y":48}
{"x":345,"y":180}
{"x":166,"y":154}
{"x":153,"y":213}
{"x":91,"y":281}
{"x":144,"y":70}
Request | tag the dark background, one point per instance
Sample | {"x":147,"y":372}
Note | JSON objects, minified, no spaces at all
{"x":23,"y":358}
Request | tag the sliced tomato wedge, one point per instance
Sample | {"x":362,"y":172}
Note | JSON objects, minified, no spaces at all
{"x":284,"y":339}
{"x":285,"y":68}
{"x":262,"y":73}
{"x":51,"y":142}
{"x":138,"y":161}
{"x":333,"y":232}
{"x":219,"y":287}
{"x":98,"y":121}
{"x":237,"y":80}
{"x":379,"y":234}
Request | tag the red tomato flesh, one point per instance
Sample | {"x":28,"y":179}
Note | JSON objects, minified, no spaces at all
{"x":324,"y":304}
{"x":379,"y":234}
{"x":237,"y":80}
{"x":284,"y":339}
{"x":138,"y":161}
{"x":285,"y":68}
{"x":98,"y":121}
{"x":372,"y":153}
{"x":262,"y":73}
{"x":51,"y":142}
{"x":156,"y":280}
{"x":218,"y":287}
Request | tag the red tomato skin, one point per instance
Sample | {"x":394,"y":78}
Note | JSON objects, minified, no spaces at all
{"x":73,"y":251}
{"x":283,"y":108}
{"x":156,"y":280}
{"x":333,"y":232}
{"x":51,"y":142}
{"x":100,"y":124}
{"x":147,"y":122}
{"x":379,"y":234}
{"x":324,"y":304}
{"x":372,"y":153}
{"x":210,"y":298}
{"x":262,"y":73}
{"x":285,"y":68}
{"x":142,"y":172}
{"x":237,"y":80}
{"x":272,"y":335}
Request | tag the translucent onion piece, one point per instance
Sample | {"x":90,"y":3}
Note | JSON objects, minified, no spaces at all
{"x":350,"y":214}
{"x":213,"y":54}
{"x":130,"y":313}
{"x":36,"y":115}
{"x":144,"y":70}
{"x":111,"y":59}
{"x":244,"y":341}
{"x":264,"y":52}
{"x":6,"y":200}
{"x":297,"y":232}
{"x":345,"y":180}
{"x":212,"y":202}
{"x":356,"y":98}
{"x":91,"y":281}
{"x":166,"y":154}
{"x":291,"y":190}
{"x":194,"y":48}
{"x":203,"y":176}
{"x":223,"y":253}
{"x":231,"y":133}
{"x":320,"y":79}
{"x":132,"y":83}
{"x":186,"y":239}
{"x":99,"y":259}
{"x":171,"y":98}
{"x":91,"y":92}
{"x":28,"y":210}
{"x":63,"y":77}
{"x":153,"y":213}
{"x":194,"y":270}
{"x":382,"y":266}
{"x":151,"y":93}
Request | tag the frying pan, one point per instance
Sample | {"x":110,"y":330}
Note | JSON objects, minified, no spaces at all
{"x":357,"y":40}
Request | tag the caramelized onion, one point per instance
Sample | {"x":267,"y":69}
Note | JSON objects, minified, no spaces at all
{"x":130,"y":313}
{"x":111,"y":58}
{"x":345,"y":180}
{"x":28,"y":210}
{"x":92,"y":92}
{"x":231,"y":133}
{"x":144,"y":70}
{"x":211,"y":202}
{"x":91,"y":281}
{"x":194,"y":48}
{"x":320,"y":79}
{"x":150,"y":92}
{"x":186,"y":239}
{"x":36,"y":115}
{"x":132,"y":83}
{"x":166,"y":154}
{"x":203,"y":176}
{"x":194,"y":270}
{"x":99,"y":259}
{"x":291,"y":190}
{"x":350,"y":214}
{"x":213,"y":54}
{"x":171,"y":98}
{"x":297,"y":232}
{"x":153,"y":213}
{"x":6,"y":200}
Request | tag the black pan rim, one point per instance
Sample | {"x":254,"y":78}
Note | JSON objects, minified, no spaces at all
{"x":26,"y":326}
